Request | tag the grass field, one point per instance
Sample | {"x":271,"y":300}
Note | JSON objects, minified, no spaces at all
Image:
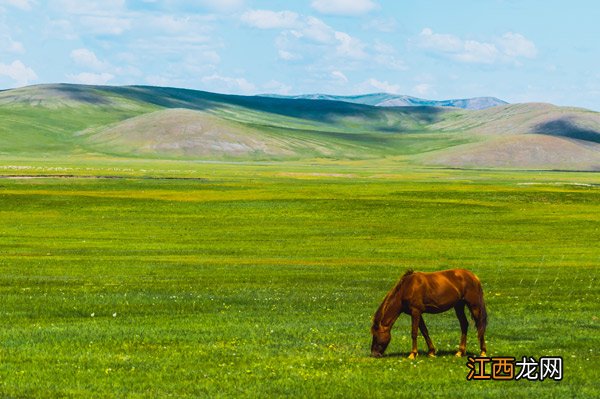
{"x":260,"y":280}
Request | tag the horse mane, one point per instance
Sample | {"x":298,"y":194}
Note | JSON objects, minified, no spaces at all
{"x":391,"y":293}
{"x":406,"y":274}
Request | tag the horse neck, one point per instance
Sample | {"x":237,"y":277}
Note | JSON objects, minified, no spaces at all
{"x":389,"y":310}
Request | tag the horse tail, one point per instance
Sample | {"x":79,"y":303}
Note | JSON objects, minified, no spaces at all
{"x":483,"y":307}
{"x":483,"y":312}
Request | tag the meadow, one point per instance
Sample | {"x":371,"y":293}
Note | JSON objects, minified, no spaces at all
{"x":212,"y":280}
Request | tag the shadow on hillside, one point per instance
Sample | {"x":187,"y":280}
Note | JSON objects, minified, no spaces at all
{"x":80,"y":93}
{"x":316,"y":110}
{"x":422,"y":114}
{"x":567,"y":128}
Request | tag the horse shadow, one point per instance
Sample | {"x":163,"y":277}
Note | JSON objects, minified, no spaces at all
{"x":438,"y":353}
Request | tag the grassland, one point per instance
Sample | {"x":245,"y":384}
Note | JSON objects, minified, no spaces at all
{"x":138,"y":261}
{"x":260,"y":279}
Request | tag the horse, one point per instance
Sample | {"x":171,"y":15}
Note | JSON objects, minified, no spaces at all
{"x":435,"y":292}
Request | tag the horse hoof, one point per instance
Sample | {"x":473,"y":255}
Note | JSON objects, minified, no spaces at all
{"x":431,"y":354}
{"x":412,"y":356}
{"x":483,"y":354}
{"x":459,"y":354}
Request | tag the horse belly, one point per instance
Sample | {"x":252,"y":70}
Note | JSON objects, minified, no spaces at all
{"x":435,"y":308}
{"x":441,"y":300}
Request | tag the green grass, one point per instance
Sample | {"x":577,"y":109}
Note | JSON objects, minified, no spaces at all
{"x":42,"y":132}
{"x":260,"y":280}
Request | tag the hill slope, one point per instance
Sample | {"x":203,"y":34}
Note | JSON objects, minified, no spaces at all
{"x":158,"y":122}
{"x":65,"y":118}
{"x":185,"y":133}
{"x":532,"y":151}
{"x":539,"y":136}
{"x":394,"y":100}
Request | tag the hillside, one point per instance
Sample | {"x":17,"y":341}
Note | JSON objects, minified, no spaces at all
{"x":189,"y":134}
{"x":528,"y":136}
{"x":394,"y":100}
{"x":169,"y":123}
{"x":532,"y":151}
{"x":73,"y":118}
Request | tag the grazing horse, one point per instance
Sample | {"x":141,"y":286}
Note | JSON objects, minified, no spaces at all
{"x":417,"y":293}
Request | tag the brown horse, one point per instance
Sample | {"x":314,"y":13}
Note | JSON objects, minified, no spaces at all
{"x":417,"y":293}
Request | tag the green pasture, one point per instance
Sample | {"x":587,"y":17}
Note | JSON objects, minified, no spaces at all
{"x":214,"y":280}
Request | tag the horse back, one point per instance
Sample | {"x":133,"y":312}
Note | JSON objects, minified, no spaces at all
{"x":441,"y":290}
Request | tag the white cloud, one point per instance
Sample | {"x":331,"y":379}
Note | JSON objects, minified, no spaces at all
{"x":386,"y":25}
{"x":172,"y":49}
{"x":424,"y":90}
{"x":223,"y":5}
{"x":61,"y":28}
{"x":516,"y":45}
{"x":312,"y":38}
{"x":106,"y":25}
{"x":317,"y":30}
{"x":288,"y":56}
{"x":276,"y":87}
{"x":10,"y":45}
{"x":223,"y":84}
{"x":507,"y":48}
{"x":477,"y":52}
{"x":319,"y":45}
{"x":90,"y":78}
{"x":87,"y":58}
{"x":21,"y":74}
{"x":209,"y":57}
{"x":339,"y":76}
{"x":343,"y":7}
{"x":373,"y":84}
{"x":194,"y":6}
{"x":386,"y":56}
{"x":440,"y":42}
{"x":349,"y":47}
{"x":174,"y":24}
{"x":24,"y":5}
{"x":109,"y":17}
{"x":105,"y":7}
{"x":267,"y":19}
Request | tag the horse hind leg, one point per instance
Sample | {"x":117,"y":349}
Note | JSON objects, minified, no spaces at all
{"x":479,"y":314}
{"x":425,"y":333}
{"x":416,"y":318}
{"x":464,"y":326}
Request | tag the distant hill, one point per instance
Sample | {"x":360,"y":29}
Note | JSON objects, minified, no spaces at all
{"x":46,"y":121}
{"x":393,"y":100}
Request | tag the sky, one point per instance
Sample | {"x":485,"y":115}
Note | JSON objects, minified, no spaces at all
{"x":516,"y":50}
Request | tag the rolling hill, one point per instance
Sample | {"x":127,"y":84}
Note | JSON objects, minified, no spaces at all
{"x":169,"y":123}
{"x":395,"y":100}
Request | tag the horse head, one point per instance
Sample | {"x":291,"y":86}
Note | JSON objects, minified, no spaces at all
{"x":381,"y":340}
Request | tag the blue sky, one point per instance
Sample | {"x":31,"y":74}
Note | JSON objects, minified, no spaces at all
{"x":517,"y":50}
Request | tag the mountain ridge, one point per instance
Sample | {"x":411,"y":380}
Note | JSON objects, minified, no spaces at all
{"x":398,"y":100}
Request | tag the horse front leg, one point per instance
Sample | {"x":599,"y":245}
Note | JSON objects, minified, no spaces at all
{"x":416,"y":318}
{"x":425,"y":333}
